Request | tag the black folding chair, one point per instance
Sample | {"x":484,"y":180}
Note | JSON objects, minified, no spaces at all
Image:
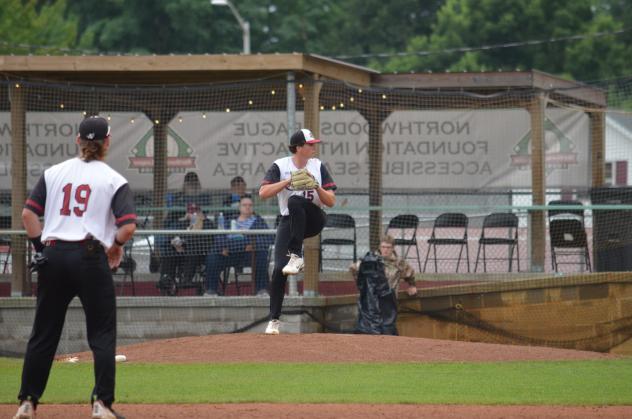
{"x":568,"y":237}
{"x":338,"y":222}
{"x":452,"y":222}
{"x":127,"y":267}
{"x":5,"y":253}
{"x":405,"y":223}
{"x":5,"y":244}
{"x":494,"y":225}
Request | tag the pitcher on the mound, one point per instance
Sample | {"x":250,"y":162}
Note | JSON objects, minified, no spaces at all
{"x":303,"y":185}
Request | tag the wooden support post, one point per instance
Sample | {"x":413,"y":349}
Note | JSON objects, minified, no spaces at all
{"x":160,"y":170}
{"x":20,"y":284}
{"x":375,"y":119}
{"x":312,"y":245}
{"x":597,"y":146}
{"x":537,"y":226}
{"x":597,"y":155}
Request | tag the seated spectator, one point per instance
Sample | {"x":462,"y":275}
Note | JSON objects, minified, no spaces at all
{"x":396,"y":269}
{"x":180,"y":255}
{"x":231,"y":201}
{"x":239,"y":249}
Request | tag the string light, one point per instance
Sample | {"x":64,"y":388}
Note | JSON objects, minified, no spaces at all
{"x":342,"y":105}
{"x":157,"y":122}
{"x":300,"y":85}
{"x":351,"y":99}
{"x":84,"y":113}
{"x":383,"y":96}
{"x":131,"y":121}
{"x":322,"y":108}
{"x":333,"y":108}
{"x":17,"y":85}
{"x":227,"y":109}
{"x":180,"y":119}
{"x":273,"y":92}
{"x":250,"y":102}
{"x":109,"y":117}
{"x":203,"y":115}
{"x":359,"y":90}
{"x":61,"y":105}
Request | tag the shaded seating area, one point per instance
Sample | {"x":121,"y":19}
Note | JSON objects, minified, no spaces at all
{"x":567,"y":231}
{"x":499,"y":229}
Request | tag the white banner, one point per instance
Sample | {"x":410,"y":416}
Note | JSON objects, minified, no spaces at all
{"x":422,"y":149}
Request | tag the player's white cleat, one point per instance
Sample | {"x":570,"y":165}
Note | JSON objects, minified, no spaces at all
{"x":273,"y":327}
{"x":294,"y":266}
{"x":99,"y":411}
{"x":25,"y":411}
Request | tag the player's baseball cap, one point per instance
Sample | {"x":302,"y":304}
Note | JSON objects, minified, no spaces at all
{"x":303,"y":136}
{"x":94,"y":128}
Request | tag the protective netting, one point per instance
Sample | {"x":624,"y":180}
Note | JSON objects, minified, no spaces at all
{"x":484,"y":186}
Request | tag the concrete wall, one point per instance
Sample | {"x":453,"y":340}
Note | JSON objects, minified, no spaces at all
{"x":147,"y":318}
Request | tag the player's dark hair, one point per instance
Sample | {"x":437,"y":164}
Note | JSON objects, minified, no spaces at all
{"x":292,"y":149}
{"x":92,"y":150}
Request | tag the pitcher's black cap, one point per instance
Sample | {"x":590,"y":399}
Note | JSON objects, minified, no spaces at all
{"x":303,"y":136}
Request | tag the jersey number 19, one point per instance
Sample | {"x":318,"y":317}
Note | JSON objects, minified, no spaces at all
{"x":82,"y":195}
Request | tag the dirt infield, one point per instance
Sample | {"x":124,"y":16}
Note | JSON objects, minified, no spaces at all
{"x":331,"y":411}
{"x":321,"y":347}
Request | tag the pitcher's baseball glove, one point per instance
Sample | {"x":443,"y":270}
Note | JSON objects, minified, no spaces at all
{"x":302,"y":180}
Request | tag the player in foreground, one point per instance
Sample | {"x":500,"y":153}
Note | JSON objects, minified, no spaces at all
{"x":89,"y":214}
{"x":303,"y":185}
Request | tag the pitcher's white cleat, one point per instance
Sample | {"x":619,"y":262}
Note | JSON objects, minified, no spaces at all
{"x":273,"y":327}
{"x":294,"y":266}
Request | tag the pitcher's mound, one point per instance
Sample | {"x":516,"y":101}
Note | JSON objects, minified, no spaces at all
{"x":323,"y":347}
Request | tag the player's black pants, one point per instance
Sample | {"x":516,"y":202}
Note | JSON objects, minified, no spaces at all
{"x":305,"y":220}
{"x":73,"y":269}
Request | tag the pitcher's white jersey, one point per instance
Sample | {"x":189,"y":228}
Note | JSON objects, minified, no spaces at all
{"x":282,"y":169}
{"x":80,"y":199}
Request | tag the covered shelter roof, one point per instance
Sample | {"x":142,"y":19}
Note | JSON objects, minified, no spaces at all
{"x":193,"y":69}
{"x":179,"y":69}
{"x":496,"y":81}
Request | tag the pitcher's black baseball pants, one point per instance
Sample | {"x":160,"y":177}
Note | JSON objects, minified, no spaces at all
{"x":305,"y":220}
{"x":73,"y":269}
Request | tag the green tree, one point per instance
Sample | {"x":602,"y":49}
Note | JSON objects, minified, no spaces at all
{"x":155,"y":26}
{"x":327,"y":27}
{"x":36,"y":27}
{"x":462,"y":23}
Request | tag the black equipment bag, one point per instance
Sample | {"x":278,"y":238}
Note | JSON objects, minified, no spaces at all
{"x":377,"y":303}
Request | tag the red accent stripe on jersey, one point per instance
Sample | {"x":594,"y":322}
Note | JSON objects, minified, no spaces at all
{"x":326,"y":185}
{"x":125,"y":218}
{"x":35,"y":205}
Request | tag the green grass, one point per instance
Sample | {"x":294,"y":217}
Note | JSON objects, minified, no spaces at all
{"x":552,"y":383}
